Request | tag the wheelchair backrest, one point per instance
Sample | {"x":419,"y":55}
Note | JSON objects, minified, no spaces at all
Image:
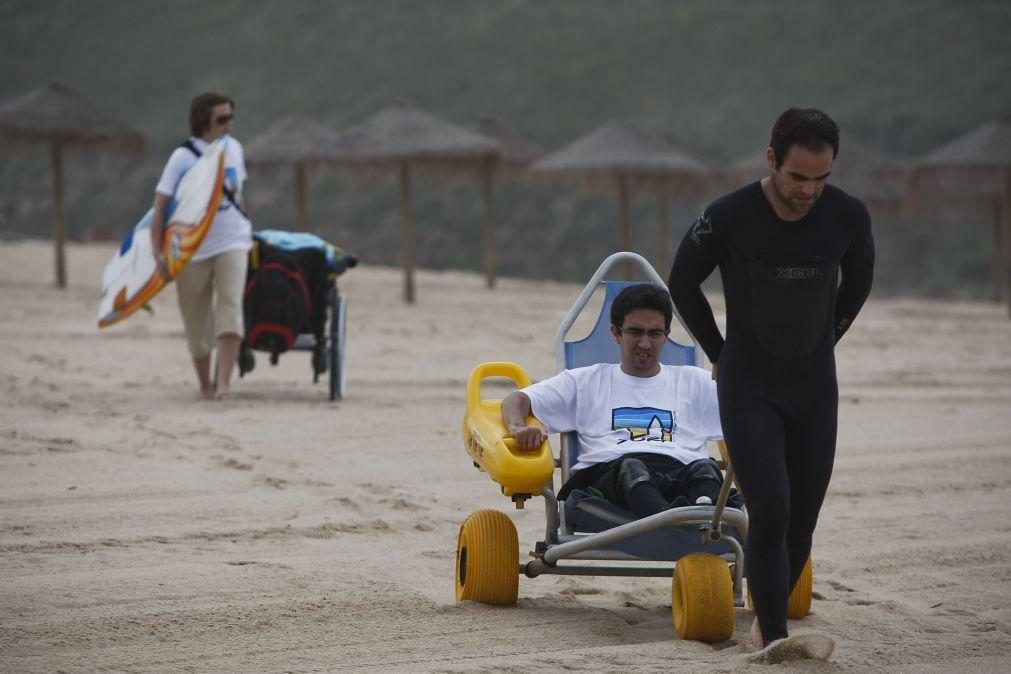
{"x":599,"y":345}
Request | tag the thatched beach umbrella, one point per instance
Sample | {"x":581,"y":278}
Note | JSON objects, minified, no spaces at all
{"x":974,"y":165}
{"x":618,"y":154}
{"x":517,"y":151}
{"x":861,"y":169}
{"x":404,"y":136}
{"x":516,"y":154}
{"x":58,"y":116}
{"x":297,"y":142}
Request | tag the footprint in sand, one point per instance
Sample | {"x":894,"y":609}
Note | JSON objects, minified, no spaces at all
{"x":232,"y":463}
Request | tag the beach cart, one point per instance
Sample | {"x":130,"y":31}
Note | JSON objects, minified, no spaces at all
{"x":292,"y":303}
{"x":699,"y":546}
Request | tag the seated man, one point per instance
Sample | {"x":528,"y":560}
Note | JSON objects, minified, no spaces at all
{"x":642,"y":425}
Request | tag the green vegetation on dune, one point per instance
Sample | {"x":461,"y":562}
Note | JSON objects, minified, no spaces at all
{"x":905,"y":75}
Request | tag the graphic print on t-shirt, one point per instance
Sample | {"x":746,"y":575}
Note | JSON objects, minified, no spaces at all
{"x":643,"y":423}
{"x":231,"y":182}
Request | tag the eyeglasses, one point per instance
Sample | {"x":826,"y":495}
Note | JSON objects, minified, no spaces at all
{"x":221,"y":120}
{"x":655,"y":335}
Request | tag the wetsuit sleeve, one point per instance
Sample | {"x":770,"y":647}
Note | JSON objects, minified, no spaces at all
{"x":857,"y":267}
{"x":699,"y":253}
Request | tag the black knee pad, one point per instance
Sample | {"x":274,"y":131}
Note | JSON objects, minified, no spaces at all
{"x":632,"y":473}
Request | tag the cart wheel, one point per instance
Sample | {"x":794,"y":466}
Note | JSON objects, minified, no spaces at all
{"x":800,"y":599}
{"x":799,"y":604}
{"x":338,"y":376}
{"x":702,"y":598}
{"x":487,"y":559}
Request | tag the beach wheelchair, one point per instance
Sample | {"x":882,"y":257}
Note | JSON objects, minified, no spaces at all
{"x":586,"y":535}
{"x":292,"y":302}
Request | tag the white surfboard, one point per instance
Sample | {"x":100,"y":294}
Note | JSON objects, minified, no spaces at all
{"x":131,"y":278}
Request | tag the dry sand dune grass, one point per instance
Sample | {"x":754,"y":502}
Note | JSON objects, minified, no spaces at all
{"x":144,"y":530}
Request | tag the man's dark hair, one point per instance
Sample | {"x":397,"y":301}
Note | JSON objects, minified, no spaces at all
{"x":200,"y":111}
{"x":810,"y":128}
{"x":641,"y":296}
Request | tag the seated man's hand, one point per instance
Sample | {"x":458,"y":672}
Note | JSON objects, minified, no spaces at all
{"x":528,"y":438}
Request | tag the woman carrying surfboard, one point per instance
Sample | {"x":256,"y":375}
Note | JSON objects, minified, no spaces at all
{"x":210,"y":286}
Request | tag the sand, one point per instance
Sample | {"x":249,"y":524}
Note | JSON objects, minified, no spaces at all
{"x":143,"y":529}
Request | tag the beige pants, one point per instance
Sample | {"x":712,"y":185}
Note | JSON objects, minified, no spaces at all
{"x":210,"y":299}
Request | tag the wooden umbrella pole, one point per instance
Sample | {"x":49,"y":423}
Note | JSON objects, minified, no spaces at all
{"x":625,"y":241}
{"x":487,"y":187}
{"x":406,"y":233}
{"x":59,"y":230}
{"x":301,"y":190}
{"x":996,"y":249}
{"x":660,"y":257}
{"x":1007,"y":235}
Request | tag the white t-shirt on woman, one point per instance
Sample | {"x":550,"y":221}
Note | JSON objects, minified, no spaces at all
{"x":230,"y":230}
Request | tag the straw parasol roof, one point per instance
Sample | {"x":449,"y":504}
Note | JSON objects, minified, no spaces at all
{"x":974,"y":165}
{"x":403,"y":132}
{"x":58,"y":116}
{"x":297,"y":142}
{"x":55,"y":112}
{"x":618,"y":146}
{"x":290,"y":140}
{"x":517,"y":151}
{"x":988,"y":146}
{"x":405,"y":136}
{"x":861,"y":169}
{"x":619,"y":154}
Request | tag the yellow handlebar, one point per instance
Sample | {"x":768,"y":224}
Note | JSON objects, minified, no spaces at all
{"x":484,"y":371}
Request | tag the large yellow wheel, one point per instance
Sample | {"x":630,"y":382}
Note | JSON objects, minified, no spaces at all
{"x":487,"y":559}
{"x":799,"y":604}
{"x":702,"y":598}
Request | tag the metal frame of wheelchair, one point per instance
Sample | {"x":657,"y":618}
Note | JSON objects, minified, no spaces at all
{"x":707,"y":577}
{"x":327,"y":349}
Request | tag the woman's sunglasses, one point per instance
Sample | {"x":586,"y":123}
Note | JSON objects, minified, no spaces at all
{"x":223,"y":119}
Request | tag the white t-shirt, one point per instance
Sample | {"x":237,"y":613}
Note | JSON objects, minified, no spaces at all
{"x":673,"y":413}
{"x":230,"y":230}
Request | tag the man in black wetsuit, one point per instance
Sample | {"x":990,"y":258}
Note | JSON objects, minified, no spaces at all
{"x":781,"y":245}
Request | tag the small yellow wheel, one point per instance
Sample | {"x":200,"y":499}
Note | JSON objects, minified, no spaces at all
{"x":702,"y":598}
{"x":799,"y":604}
{"x":487,"y":559}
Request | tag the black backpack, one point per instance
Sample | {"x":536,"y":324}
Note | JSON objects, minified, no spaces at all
{"x":276,"y":305}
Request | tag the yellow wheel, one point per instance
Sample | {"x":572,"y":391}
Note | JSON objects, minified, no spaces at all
{"x":799,"y":603}
{"x":702,"y":598}
{"x":800,"y":599}
{"x":487,"y":559}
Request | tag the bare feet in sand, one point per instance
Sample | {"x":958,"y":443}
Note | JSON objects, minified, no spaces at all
{"x":809,"y":646}
{"x":756,"y":635}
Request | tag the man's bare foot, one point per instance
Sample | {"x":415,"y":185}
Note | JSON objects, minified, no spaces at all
{"x":756,"y":635}
{"x":811,"y":646}
{"x":207,"y":393}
